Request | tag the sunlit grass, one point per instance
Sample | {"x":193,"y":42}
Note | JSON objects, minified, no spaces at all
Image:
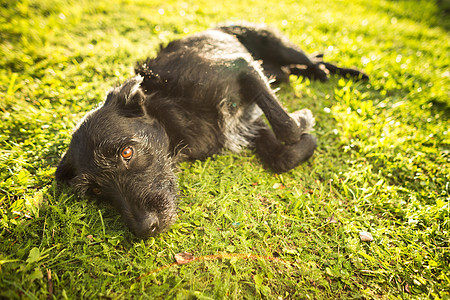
{"x":382,"y":164}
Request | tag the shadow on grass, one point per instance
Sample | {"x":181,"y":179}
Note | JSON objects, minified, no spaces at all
{"x":410,"y":9}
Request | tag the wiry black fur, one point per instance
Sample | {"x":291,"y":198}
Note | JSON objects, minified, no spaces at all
{"x":201,"y":94}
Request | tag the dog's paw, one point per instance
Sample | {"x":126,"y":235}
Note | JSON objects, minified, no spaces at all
{"x":304,"y":119}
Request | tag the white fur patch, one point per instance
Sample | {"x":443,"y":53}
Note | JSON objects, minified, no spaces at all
{"x":307,"y":116}
{"x":239,"y":125}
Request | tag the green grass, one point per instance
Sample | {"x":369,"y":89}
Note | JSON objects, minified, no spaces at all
{"x":382,"y":164}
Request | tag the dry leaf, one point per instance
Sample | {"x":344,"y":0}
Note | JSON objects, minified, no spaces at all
{"x":50,"y":284}
{"x":365,"y":236}
{"x":183,"y":257}
{"x":331,"y":219}
{"x":278,"y":186}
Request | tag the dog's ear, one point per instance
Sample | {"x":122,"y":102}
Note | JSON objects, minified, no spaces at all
{"x":128,"y":98}
{"x":65,"y":171}
{"x":151,"y":80}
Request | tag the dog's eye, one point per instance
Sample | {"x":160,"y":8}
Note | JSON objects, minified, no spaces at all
{"x":127,"y":153}
{"x":97,"y":191}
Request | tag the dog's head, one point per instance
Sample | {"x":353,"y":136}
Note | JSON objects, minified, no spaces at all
{"x":120,"y":154}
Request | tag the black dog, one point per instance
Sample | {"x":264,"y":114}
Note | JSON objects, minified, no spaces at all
{"x":201,"y":94}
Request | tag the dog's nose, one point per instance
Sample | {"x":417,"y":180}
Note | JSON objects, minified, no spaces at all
{"x":149,"y":225}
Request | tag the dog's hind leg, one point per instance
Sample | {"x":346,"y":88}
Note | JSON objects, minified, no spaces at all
{"x":287,"y":144}
{"x":277,"y":52}
{"x":279,"y":55}
{"x":293,"y":61}
{"x":322,"y":68}
{"x":333,"y":69}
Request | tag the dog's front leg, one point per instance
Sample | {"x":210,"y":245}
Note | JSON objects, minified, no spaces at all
{"x":287,"y":144}
{"x":282,"y":157}
{"x":287,"y":127}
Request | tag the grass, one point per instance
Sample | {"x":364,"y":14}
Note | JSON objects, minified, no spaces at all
{"x":382,"y":164}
